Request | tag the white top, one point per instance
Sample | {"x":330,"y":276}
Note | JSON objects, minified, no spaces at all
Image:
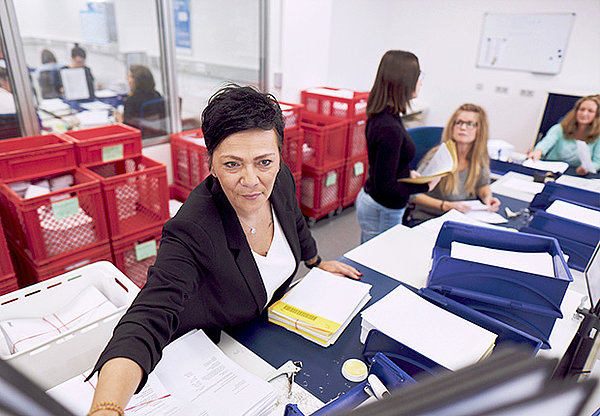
{"x":278,"y":264}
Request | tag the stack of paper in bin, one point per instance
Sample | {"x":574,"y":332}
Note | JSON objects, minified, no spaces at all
{"x":439,"y":335}
{"x":321,"y":306}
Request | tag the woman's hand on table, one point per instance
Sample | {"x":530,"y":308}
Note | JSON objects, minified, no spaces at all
{"x":492,"y":203}
{"x":535,"y":154}
{"x":581,"y":171}
{"x":339,"y":268}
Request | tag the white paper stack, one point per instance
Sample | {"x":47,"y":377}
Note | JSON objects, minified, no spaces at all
{"x":194,"y":377}
{"x":439,"y":335}
{"x":321,"y":306}
{"x":24,"y":333}
{"x":546,"y":165}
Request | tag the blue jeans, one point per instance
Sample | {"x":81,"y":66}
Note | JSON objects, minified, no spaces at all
{"x":373,"y":217}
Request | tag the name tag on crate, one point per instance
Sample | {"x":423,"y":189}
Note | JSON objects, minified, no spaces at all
{"x":112,"y":152}
{"x":145,"y":250}
{"x":65,"y":208}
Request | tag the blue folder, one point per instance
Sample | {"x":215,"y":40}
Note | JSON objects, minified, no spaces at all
{"x":525,"y":301}
{"x":553,"y":191}
{"x":576,"y":239}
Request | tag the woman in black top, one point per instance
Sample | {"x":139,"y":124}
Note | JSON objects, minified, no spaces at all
{"x":381,"y":203}
{"x":143,"y":96}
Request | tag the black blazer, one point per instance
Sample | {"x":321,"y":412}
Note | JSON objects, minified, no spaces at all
{"x":205,"y":275}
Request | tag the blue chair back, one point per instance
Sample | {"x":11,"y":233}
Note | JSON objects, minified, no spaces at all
{"x":425,"y":138}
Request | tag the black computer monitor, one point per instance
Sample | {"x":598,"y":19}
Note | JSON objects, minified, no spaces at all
{"x":19,"y":396}
{"x":557,"y":105}
{"x":76,"y":84}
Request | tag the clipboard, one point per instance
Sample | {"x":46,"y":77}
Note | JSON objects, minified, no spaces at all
{"x":451,"y":146}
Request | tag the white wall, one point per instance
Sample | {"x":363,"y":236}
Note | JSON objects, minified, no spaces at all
{"x":345,"y":39}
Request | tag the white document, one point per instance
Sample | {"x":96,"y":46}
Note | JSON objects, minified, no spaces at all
{"x":582,"y":183}
{"x":74,"y":83}
{"x":93,"y":118}
{"x":434,"y":225}
{"x":443,"y":337}
{"x":194,"y":377}
{"x":575,"y":212}
{"x":546,"y":165}
{"x":475,"y":205}
{"x":319,"y":296}
{"x":105,"y":93}
{"x":26,"y":333}
{"x":441,"y":162}
{"x":486,"y":216}
{"x":55,"y":105}
{"x":535,"y":263}
{"x":518,"y":186}
{"x":585,"y":156}
{"x":96,"y":105}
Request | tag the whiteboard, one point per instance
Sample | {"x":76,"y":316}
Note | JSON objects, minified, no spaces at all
{"x":525,"y":42}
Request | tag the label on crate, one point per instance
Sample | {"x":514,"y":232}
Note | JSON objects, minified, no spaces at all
{"x":145,"y":250}
{"x":112,"y":152}
{"x":65,"y":208}
{"x":359,"y":168}
{"x":331,"y":179}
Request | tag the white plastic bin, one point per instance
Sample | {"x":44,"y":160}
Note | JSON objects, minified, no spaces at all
{"x":75,"y":351}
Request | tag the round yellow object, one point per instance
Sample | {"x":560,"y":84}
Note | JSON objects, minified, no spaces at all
{"x":354,"y":370}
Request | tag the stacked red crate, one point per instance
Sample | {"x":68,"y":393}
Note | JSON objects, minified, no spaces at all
{"x":293,"y":136}
{"x":189,"y":157}
{"x":350,"y":106}
{"x":135,"y":253}
{"x":8,"y":279}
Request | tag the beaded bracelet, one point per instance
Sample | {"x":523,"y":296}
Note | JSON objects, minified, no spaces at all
{"x":107,"y":406}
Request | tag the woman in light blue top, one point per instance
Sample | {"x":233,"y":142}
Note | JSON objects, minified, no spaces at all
{"x":560,"y":143}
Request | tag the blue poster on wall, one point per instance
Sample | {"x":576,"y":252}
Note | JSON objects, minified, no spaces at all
{"x":181,"y":12}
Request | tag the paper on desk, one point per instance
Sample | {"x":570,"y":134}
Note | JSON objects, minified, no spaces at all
{"x":444,"y":161}
{"x":96,"y":106}
{"x":93,"y":118}
{"x":546,"y":165}
{"x":105,"y":93}
{"x":575,"y":212}
{"x":582,"y":183}
{"x":585,"y":156}
{"x":443,"y":337}
{"x":54,"y":105}
{"x":535,"y":263}
{"x":488,"y":217}
{"x":154,"y":399}
{"x":434,"y":225}
{"x":518,"y":186}
{"x":402,"y":253}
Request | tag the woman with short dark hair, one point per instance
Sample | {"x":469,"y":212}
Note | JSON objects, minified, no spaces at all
{"x":231,"y":250}
{"x":381,"y":203}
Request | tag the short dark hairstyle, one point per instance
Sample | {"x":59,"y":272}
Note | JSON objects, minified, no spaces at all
{"x":143,"y":81}
{"x":48,"y":57}
{"x":78,"y":51}
{"x":395,"y":82}
{"x":233,"y":109}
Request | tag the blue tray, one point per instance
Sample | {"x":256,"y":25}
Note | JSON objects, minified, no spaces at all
{"x":553,"y":191}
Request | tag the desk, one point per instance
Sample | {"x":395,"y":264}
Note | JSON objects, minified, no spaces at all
{"x":499,"y":167}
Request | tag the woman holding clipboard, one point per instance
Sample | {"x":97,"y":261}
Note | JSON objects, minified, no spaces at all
{"x":381,"y":203}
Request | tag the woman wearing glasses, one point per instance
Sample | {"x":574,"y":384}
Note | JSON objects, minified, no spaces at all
{"x":381,"y":203}
{"x":468,"y":128}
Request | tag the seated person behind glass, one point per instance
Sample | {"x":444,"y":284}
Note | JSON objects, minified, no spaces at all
{"x":48,"y":76}
{"x":231,"y":250}
{"x":468,"y":128}
{"x":78,"y":57}
{"x":141,"y":84}
{"x":560,"y":143}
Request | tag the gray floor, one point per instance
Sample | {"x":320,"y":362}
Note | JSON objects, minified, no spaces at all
{"x":335,"y":235}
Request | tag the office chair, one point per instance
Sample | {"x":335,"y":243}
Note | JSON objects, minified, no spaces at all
{"x":153,"y":120}
{"x":425,"y":138}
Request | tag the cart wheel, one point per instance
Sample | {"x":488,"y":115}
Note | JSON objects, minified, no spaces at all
{"x":330,"y":214}
{"x":339,"y":210}
{"x":310,"y":221}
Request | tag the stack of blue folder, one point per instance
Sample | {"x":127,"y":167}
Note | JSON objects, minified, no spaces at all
{"x":576,"y":239}
{"x":520,"y":307}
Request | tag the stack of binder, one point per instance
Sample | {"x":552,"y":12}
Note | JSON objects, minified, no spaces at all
{"x":320,"y":307}
{"x":527,"y":300}
{"x":576,"y":235}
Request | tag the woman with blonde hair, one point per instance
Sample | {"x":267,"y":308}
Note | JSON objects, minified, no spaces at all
{"x":468,"y":128}
{"x":581,"y":123}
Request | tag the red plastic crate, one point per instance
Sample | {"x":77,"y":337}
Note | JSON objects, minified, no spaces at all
{"x":325,"y":140}
{"x":135,"y":253}
{"x":8,"y":284}
{"x":55,"y":225}
{"x":190,"y":159}
{"x":298,"y":179}
{"x":321,"y":190}
{"x":30,"y":272}
{"x":136,"y":194}
{"x":292,"y":114}
{"x":106,"y":143}
{"x":46,"y":154}
{"x":293,"y":140}
{"x":357,"y":141}
{"x":335,"y":102}
{"x":355,"y":176}
{"x":5,"y":263}
{"x":179,"y":193}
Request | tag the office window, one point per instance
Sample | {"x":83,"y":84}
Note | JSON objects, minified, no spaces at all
{"x":79,"y":54}
{"x":9,"y":121}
